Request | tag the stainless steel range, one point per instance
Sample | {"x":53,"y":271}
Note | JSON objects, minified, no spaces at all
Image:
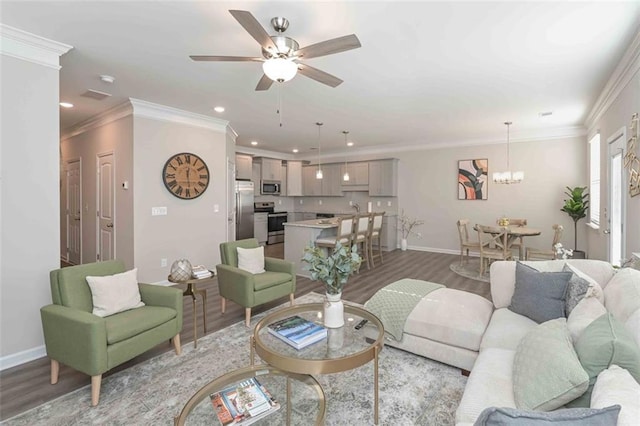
{"x":276,"y":220}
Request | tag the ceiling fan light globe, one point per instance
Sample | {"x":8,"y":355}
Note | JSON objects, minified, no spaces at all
{"x":280,"y":69}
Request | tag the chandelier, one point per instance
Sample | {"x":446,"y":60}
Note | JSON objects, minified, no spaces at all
{"x":507,"y":176}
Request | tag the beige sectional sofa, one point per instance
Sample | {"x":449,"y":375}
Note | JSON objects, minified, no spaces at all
{"x":469,"y":332}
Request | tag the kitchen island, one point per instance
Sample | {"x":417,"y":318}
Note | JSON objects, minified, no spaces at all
{"x":298,"y":235}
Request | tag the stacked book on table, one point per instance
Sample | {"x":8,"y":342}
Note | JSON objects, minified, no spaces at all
{"x":243,"y":403}
{"x":297,"y":331}
{"x":200,"y":271}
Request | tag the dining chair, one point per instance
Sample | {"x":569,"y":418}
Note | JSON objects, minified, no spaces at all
{"x":376,"y":234}
{"x":544,"y":253}
{"x":465,"y":242}
{"x":494,"y":244}
{"x":344,"y":234}
{"x":519,"y":241}
{"x":361,"y":234}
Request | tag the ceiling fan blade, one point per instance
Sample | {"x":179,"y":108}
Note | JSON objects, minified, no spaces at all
{"x":264,"y":83}
{"x":320,"y":76}
{"x":253,"y":27}
{"x":329,"y":47}
{"x":225,"y":58}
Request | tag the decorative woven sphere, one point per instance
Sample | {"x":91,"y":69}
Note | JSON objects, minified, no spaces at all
{"x":181,"y":270}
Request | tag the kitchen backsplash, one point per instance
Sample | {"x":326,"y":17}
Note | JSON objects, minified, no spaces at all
{"x":332,"y":204}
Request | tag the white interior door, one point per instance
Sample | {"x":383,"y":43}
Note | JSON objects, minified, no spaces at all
{"x":106,"y":208}
{"x":74,"y":212}
{"x":617,"y":188}
{"x":231,"y":201}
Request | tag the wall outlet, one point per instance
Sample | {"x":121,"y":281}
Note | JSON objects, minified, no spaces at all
{"x":319,"y":202}
{"x":280,"y":202}
{"x":351,"y":203}
{"x":163,"y":263}
{"x":388,"y":203}
{"x":378,"y":203}
{"x":301,"y":201}
{"x":216,"y":208}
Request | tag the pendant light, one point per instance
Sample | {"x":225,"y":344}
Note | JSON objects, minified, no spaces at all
{"x":345,"y":177}
{"x":319,"y":172}
{"x":507,"y":177}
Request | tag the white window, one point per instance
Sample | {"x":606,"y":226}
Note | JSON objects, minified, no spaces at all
{"x":594,"y":180}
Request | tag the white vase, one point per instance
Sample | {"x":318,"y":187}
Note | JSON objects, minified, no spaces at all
{"x":403,"y":244}
{"x":333,"y":311}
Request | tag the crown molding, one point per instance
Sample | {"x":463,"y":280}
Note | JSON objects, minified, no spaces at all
{"x":254,"y":152}
{"x":390,"y":149}
{"x":30,"y":47}
{"x":622,"y":75}
{"x":112,"y":114}
{"x":232,"y":133}
{"x":174,"y":115}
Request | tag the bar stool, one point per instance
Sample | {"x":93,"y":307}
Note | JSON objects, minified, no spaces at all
{"x":376,"y":234}
{"x":361,"y":236}
{"x":344,"y":235}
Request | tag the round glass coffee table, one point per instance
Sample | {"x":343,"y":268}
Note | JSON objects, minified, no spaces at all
{"x":301,"y":398}
{"x":345,"y":348}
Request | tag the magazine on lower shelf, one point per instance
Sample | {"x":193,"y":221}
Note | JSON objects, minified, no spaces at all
{"x":243,"y":403}
{"x":200,"y":272}
{"x":297,"y":331}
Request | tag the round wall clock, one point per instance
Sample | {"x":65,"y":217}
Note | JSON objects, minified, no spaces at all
{"x":185,"y":175}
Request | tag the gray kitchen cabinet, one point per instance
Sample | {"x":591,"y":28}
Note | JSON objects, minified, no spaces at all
{"x":271,"y":169}
{"x":383,"y":178}
{"x":311,"y":187}
{"x":358,"y":174}
{"x":294,"y":179}
{"x":260,"y":227}
{"x":244,"y":165}
{"x":309,"y":216}
{"x":331,"y":180}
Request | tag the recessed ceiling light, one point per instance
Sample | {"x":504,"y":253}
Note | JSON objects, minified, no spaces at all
{"x":219,"y":109}
{"x":107,"y":79}
{"x":295,"y":150}
{"x":545,"y":114}
{"x":66,"y":105}
{"x":349,"y":143}
{"x":254,"y":143}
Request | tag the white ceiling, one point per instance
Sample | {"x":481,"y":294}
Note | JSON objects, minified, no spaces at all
{"x":427,"y":72}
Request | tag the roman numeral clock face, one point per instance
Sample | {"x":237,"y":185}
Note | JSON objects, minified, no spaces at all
{"x":186,"y":176}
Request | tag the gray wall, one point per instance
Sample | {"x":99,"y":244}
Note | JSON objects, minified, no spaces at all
{"x":191,"y":229}
{"x":29,"y":200}
{"x":116,"y":137}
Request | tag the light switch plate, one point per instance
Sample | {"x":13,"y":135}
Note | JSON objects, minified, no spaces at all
{"x":216,"y":208}
{"x":158,"y":211}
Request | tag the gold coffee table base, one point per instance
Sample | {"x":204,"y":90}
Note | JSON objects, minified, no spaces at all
{"x":312,"y":359}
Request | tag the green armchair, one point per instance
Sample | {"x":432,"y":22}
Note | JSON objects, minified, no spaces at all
{"x":249,"y":290}
{"x":93,"y":345}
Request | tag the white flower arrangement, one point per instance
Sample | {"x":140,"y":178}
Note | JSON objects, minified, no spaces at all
{"x":561,"y":252}
{"x":407,"y":224}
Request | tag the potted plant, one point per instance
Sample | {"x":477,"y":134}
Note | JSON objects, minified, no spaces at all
{"x":406,"y":227}
{"x":333,"y":270}
{"x":576,"y":207}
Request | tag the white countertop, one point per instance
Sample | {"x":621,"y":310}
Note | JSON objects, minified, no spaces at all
{"x":314,"y":223}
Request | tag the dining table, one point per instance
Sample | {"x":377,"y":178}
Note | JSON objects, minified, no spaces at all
{"x":515,"y":232}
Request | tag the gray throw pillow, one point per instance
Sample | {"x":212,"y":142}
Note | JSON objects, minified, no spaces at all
{"x":576,"y":290}
{"x":539,"y":295}
{"x":495,"y":416}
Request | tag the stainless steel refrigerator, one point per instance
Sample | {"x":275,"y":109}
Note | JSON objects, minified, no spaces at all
{"x":244,"y":209}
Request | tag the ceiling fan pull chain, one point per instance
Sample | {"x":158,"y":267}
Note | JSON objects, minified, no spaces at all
{"x":280,"y":103}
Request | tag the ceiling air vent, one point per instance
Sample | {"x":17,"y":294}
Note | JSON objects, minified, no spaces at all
{"x":95,"y":94}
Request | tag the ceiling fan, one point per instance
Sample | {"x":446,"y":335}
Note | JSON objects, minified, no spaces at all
{"x":282,"y":55}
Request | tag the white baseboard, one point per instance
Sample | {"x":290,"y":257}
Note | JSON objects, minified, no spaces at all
{"x":22,"y":357}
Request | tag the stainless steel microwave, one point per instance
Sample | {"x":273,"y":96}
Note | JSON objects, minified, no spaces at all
{"x":270,"y":187}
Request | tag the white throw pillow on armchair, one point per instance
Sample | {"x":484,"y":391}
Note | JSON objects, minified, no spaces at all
{"x":251,"y":260}
{"x":115,"y":293}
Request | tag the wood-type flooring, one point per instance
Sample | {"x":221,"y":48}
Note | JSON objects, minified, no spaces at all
{"x":27,"y":385}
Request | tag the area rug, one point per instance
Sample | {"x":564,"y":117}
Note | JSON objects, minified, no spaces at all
{"x":413,"y":390}
{"x":470,"y":269}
